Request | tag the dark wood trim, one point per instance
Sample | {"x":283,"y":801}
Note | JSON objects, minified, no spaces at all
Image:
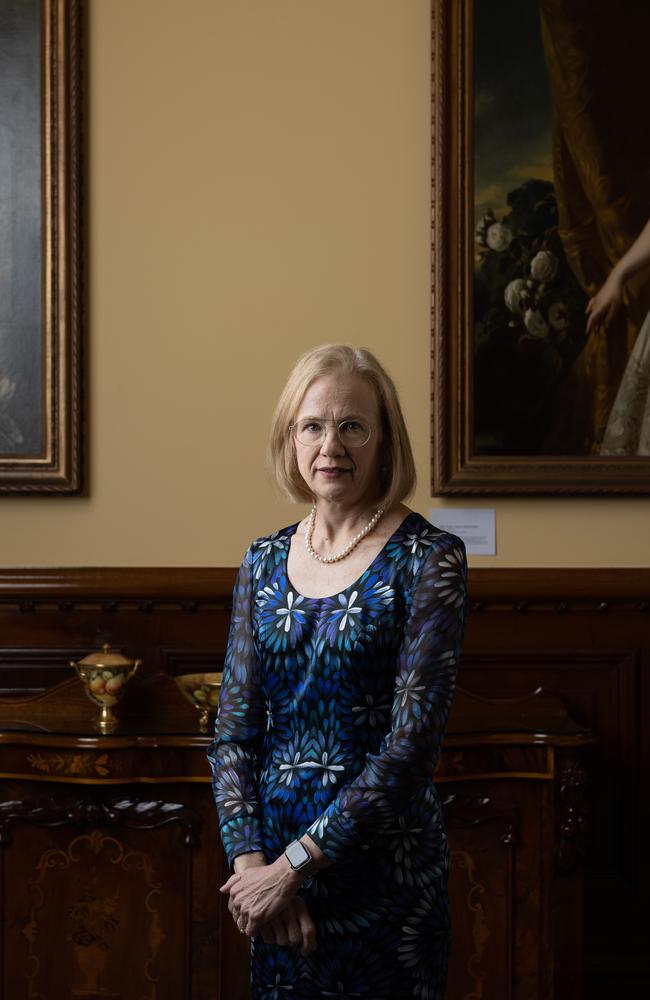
{"x":216,"y":583}
{"x":180,"y":582}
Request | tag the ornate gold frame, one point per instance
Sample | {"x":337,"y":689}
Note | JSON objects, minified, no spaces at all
{"x":455,"y":469}
{"x":58,"y":470}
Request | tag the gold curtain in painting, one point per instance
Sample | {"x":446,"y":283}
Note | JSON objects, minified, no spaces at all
{"x":597,"y":53}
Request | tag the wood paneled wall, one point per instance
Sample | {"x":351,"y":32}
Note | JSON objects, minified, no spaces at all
{"x":582,"y":634}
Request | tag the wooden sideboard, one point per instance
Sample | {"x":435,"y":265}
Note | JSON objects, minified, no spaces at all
{"x":582,"y":633}
{"x":111,"y":860}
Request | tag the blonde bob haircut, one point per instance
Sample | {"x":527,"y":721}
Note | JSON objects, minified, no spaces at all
{"x":396,"y":456}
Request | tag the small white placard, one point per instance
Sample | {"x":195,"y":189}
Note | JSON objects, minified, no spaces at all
{"x":475,"y":525}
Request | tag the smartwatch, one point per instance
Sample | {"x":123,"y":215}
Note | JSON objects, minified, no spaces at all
{"x":300,"y":859}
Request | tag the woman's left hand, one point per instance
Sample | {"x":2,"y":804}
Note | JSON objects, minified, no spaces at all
{"x":258,"y":894}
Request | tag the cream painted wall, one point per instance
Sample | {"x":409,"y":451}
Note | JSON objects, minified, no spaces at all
{"x":259,"y":183}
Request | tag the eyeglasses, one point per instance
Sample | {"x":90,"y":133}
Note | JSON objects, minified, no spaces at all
{"x":353,"y":432}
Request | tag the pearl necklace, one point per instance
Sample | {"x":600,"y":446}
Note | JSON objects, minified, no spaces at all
{"x":348,"y":548}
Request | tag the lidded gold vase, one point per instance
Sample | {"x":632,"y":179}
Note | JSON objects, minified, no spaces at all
{"x":104,"y":676}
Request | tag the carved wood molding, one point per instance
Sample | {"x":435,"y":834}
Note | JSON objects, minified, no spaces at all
{"x":466,"y":812}
{"x":136,"y":814}
{"x":188,"y":589}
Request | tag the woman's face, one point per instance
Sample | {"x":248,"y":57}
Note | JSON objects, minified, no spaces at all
{"x":333,"y":470}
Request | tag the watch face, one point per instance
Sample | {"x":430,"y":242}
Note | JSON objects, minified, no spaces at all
{"x":297,"y":854}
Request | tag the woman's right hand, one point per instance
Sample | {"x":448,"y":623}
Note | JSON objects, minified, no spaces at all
{"x":601,"y":309}
{"x":292,"y":926}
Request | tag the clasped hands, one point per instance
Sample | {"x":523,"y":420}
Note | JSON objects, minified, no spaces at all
{"x":262,"y":900}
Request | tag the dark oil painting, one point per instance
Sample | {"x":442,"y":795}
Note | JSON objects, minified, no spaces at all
{"x":561,"y":191}
{"x":21,"y":369}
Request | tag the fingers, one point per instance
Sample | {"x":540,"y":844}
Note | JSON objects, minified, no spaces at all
{"x":267,"y":933}
{"x":307,"y":929}
{"x":227,"y":886}
{"x":598,"y":315}
{"x":281,"y":936}
{"x":293,"y":927}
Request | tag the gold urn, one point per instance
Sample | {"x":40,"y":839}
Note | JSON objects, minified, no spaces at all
{"x":104,"y":676}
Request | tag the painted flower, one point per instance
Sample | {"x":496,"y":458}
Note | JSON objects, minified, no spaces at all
{"x":7,"y":389}
{"x":558,"y":316}
{"x":543,"y":266}
{"x":516,"y":296}
{"x":535,"y":323}
{"x":498,"y":237}
{"x":483,"y":226}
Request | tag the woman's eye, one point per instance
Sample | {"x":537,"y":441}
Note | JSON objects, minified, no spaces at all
{"x":351,"y":426}
{"x":310,"y":427}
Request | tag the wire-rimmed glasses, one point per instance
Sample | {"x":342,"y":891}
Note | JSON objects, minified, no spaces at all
{"x":353,"y":432}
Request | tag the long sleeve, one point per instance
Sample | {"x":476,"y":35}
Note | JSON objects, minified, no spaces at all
{"x":424,"y":686}
{"x":233,"y":754}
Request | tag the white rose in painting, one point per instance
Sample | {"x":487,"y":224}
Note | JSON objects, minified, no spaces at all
{"x":515,"y":294}
{"x":483,"y":226}
{"x":535,"y":323}
{"x":543,"y":266}
{"x":7,"y":388}
{"x":558,"y":316}
{"x":498,"y":237}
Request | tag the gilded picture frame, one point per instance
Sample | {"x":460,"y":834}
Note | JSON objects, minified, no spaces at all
{"x":523,"y":400}
{"x":40,"y":248}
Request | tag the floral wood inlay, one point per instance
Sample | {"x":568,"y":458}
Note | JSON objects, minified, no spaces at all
{"x":480,"y":930}
{"x":70,"y":764}
{"x":94,"y":916}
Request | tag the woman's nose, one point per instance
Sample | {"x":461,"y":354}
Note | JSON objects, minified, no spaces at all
{"x":331,"y":443}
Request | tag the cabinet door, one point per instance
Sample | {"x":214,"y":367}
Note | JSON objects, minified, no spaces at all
{"x":101,"y":897}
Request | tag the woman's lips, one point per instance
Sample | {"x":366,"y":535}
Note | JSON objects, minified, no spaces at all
{"x":332,"y":473}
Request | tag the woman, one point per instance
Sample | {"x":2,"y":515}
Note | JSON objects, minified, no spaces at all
{"x":628,"y":424}
{"x":337,"y":684}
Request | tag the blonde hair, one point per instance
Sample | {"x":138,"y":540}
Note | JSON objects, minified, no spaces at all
{"x":397,"y":473}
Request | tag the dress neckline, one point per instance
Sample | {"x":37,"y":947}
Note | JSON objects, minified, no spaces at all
{"x":291,"y":530}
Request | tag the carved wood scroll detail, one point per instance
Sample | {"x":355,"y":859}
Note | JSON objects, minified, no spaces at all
{"x":573,"y":835}
{"x":135,"y":814}
{"x":467,"y":812}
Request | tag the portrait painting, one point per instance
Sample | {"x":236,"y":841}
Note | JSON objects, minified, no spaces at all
{"x":40,"y":227}
{"x":541,"y":185}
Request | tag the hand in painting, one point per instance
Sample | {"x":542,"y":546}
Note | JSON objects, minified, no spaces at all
{"x":604,"y":305}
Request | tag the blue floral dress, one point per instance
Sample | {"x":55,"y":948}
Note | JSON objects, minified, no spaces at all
{"x":330,"y":721}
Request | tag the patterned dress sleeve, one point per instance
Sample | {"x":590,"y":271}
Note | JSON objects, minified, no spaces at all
{"x":233,"y":754}
{"x":424,"y":686}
